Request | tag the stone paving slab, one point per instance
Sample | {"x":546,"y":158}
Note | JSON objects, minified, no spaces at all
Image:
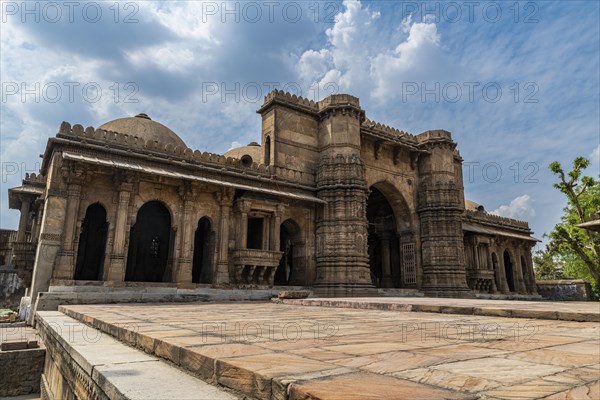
{"x":278,"y":351}
{"x":566,"y":311}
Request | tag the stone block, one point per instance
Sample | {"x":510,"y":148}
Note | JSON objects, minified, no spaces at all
{"x":578,"y":316}
{"x":293,"y":294}
{"x":12,"y":346}
{"x":536,"y":314}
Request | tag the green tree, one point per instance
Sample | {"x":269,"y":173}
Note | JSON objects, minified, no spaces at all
{"x":578,"y":248}
{"x":547,"y":264}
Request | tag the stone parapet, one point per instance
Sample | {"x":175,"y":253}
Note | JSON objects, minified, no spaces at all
{"x":291,"y":100}
{"x":565,"y":290}
{"x":496,"y":220}
{"x":162,"y":150}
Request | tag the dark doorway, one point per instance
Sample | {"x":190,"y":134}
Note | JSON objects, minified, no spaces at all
{"x":268,"y":151}
{"x":92,"y":242}
{"x":384,"y":247}
{"x":255,"y":233}
{"x":149,"y":244}
{"x":202,"y":266}
{"x":508,"y":270}
{"x":289,"y":235}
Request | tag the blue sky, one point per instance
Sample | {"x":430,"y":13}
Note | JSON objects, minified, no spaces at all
{"x":517,"y":84}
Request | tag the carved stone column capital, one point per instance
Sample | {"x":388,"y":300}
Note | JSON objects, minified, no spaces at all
{"x":243,"y":206}
{"x":224,"y":196}
{"x":124,"y":180}
{"x":279,"y":210}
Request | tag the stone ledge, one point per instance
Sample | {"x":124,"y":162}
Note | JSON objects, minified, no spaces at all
{"x":293,"y":294}
{"x":91,"y":362}
{"x":501,"y":309}
{"x":232,"y":367}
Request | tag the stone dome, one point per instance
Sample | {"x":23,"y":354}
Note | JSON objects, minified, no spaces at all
{"x":252,"y":150}
{"x":143,"y":127}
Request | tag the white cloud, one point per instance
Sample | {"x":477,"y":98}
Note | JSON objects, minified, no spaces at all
{"x":595,"y":155}
{"x":314,"y":64}
{"x":235,"y":144}
{"x":519,"y":208}
{"x":170,"y":57}
{"x":417,"y":59}
{"x":352,"y":42}
{"x":360,"y":58}
{"x":189,"y":20}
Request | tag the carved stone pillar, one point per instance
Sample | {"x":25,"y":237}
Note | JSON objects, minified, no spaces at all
{"x":25,"y":205}
{"x":244,"y":209}
{"x":501,"y":272}
{"x":275,"y":236}
{"x":183,"y":258}
{"x":440,"y":209}
{"x":224,"y":197}
{"x":65,"y":260}
{"x":342,"y":227}
{"x":490,"y":267}
{"x":342,"y":234}
{"x":117,"y":266}
{"x":476,"y":253}
{"x":532,"y":289}
{"x":518,"y":269}
{"x":39,"y":214}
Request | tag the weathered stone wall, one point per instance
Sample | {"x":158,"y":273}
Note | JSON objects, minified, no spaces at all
{"x":322,"y":161}
{"x":565,"y":290}
{"x":20,"y":371}
{"x":11,"y":288}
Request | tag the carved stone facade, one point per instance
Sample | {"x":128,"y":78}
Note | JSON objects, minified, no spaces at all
{"x":329,"y":200}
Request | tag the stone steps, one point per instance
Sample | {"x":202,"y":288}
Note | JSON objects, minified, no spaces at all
{"x":84,"y":362}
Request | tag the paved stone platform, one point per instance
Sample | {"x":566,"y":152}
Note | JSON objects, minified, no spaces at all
{"x":278,"y":351}
{"x":567,"y":311}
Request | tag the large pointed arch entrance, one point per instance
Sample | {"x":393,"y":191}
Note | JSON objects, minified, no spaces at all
{"x":391,"y":248}
{"x":92,"y":243}
{"x":149,"y":244}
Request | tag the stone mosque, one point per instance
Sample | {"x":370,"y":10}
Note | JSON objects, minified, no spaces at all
{"x":329,"y":201}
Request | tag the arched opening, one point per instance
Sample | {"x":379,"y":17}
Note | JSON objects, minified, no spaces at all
{"x":508,"y":270}
{"x":92,"y":243}
{"x":384,"y":247}
{"x":268,"y":150}
{"x":246,"y":161}
{"x":288,"y":271}
{"x":149,"y":244}
{"x":202,"y":261}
